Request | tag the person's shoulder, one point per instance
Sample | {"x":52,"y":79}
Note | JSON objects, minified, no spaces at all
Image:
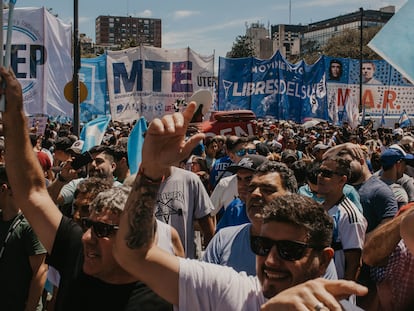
{"x":233,"y":230}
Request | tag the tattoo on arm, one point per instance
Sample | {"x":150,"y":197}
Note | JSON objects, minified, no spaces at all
{"x":140,"y":211}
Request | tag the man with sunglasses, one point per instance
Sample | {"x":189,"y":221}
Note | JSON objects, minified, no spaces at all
{"x":91,"y":279}
{"x":349,"y":223}
{"x":226,"y":189}
{"x":231,"y":246}
{"x":292,"y":247}
{"x":234,"y":145}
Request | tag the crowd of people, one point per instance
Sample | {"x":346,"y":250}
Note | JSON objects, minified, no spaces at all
{"x":291,"y":218}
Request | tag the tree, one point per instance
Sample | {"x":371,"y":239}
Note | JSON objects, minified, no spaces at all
{"x":242,"y":47}
{"x":347,"y":44}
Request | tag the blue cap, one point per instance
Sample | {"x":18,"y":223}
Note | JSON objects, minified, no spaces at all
{"x":391,"y":156}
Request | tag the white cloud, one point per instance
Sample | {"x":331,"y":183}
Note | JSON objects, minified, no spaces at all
{"x":145,"y":13}
{"x":184,"y":14}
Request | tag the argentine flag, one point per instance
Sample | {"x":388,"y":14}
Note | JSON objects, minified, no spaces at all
{"x":404,"y":120}
{"x":135,"y":142}
{"x":93,"y":132}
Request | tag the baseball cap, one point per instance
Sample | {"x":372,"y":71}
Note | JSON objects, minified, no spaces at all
{"x":76,"y":147}
{"x":249,"y":162}
{"x":319,"y":146}
{"x":392,"y":155}
{"x":398,"y":131}
{"x":288,"y":153}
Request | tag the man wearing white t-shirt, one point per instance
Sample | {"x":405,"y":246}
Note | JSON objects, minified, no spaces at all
{"x":349,"y":223}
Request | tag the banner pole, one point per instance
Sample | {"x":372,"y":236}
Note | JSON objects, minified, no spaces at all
{"x":8,"y":43}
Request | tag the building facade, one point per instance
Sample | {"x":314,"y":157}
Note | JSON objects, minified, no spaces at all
{"x":286,"y":38}
{"x":125,"y":31}
{"x":320,"y":32}
{"x":260,"y":39}
{"x":294,"y":40}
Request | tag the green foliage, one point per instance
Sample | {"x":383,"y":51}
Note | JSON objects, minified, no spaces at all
{"x":347,"y":44}
{"x":242,"y":47}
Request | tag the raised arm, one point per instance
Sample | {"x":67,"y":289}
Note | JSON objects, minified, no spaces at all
{"x":23,"y":169}
{"x":382,"y":241}
{"x":164,"y":145}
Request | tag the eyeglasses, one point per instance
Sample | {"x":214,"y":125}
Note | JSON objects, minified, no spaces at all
{"x":101,"y":229}
{"x":287,"y":250}
{"x":327,"y":173}
{"x":242,"y":152}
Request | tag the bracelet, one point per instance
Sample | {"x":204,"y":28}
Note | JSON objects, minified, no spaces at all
{"x":60,"y":178}
{"x":149,"y":180}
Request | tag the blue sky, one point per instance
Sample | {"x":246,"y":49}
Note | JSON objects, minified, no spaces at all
{"x":206,"y":26}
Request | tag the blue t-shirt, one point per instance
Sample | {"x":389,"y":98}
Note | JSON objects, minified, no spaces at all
{"x":377,"y":200}
{"x":219,"y":170}
{"x":235,"y":214}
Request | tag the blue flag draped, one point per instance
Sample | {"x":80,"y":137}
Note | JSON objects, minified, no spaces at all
{"x":93,"y":132}
{"x":135,"y":142}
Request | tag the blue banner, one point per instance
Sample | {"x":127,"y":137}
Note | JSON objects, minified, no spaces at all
{"x":273,"y":87}
{"x":93,"y":74}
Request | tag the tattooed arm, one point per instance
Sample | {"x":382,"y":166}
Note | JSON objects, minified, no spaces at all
{"x":134,"y":248}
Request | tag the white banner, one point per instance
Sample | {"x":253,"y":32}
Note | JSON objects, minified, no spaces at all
{"x":149,"y":82}
{"x":41,"y":59}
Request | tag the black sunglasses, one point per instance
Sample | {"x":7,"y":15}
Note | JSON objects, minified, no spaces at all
{"x":242,"y":152}
{"x":327,"y":173}
{"x":101,"y":229}
{"x":287,"y":250}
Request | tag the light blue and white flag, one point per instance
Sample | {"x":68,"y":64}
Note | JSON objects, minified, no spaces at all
{"x":135,"y":142}
{"x":404,"y":120}
{"x":382,"y":123}
{"x":394,"y":42}
{"x":93,"y":132}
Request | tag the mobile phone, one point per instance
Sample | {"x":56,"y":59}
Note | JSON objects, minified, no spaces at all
{"x":82,"y":160}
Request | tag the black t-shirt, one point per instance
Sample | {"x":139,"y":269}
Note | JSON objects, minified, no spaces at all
{"x":78,"y":291}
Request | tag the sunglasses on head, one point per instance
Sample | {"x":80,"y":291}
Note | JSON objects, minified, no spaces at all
{"x":242,"y":152}
{"x":287,"y":250}
{"x":100,"y":229}
{"x":327,"y":173}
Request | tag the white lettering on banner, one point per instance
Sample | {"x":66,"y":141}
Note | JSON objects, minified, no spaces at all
{"x":276,"y":65}
{"x":273,"y":87}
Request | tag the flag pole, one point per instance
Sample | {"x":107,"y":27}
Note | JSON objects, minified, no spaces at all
{"x":8,"y":43}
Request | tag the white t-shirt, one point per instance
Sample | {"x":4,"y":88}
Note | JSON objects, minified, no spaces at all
{"x":349,"y":230}
{"x":206,"y":286}
{"x":164,"y":237}
{"x":181,"y":199}
{"x":225,"y":192}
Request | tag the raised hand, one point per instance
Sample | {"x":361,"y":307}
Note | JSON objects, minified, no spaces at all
{"x":165,"y":142}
